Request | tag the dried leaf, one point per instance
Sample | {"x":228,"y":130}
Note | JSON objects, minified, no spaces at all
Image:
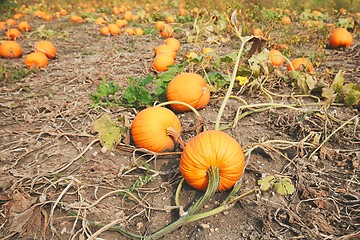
{"x":109,"y":133}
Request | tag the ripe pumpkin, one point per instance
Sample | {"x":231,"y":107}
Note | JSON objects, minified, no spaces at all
{"x":212,"y":148}
{"x":46,"y":47}
{"x":13,"y":33}
{"x":163,"y":61}
{"x":129,"y":31}
{"x":159,"y":25}
{"x":114,"y":29}
{"x":285,"y":20}
{"x":24,"y":26}
{"x":165,"y":49}
{"x":121,"y":23}
{"x":206,"y":52}
{"x":169,"y":19}
{"x":104,"y":31}
{"x":257,"y":32}
{"x":301,"y":62}
{"x":128,"y":15}
{"x":340,"y":37}
{"x":173,"y":43}
{"x":10,"y":49}
{"x":36,"y":60}
{"x":190,"y":88}
{"x":139,"y":31}
{"x":167,"y":31}
{"x":276,"y":58}
{"x":151,"y":126}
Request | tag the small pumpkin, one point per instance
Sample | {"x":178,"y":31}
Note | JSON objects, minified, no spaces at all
{"x":163,"y":61}
{"x":36,"y":60}
{"x":114,"y":29}
{"x":104,"y":31}
{"x":301,"y":62}
{"x":24,"y":26}
{"x":138,"y":31}
{"x":167,"y":31}
{"x":46,"y":47}
{"x":165,"y":49}
{"x":121,"y":23}
{"x":276,"y":58}
{"x":13,"y":33}
{"x":340,"y":37}
{"x":10,"y":49}
{"x":190,"y":88}
{"x":285,"y":20}
{"x":173,"y":43}
{"x":212,"y":148}
{"x":154,"y":128}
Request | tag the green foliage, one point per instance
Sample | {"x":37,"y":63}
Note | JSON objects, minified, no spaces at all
{"x":282,"y":185}
{"x":141,"y":181}
{"x":105,"y":93}
{"x":140,"y":92}
{"x":12,"y":73}
{"x":340,"y":92}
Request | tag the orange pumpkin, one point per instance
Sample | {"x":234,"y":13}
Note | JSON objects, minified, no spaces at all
{"x":46,"y":47}
{"x":276,"y":58}
{"x":285,"y":20}
{"x":24,"y":26}
{"x":13,"y":33}
{"x":163,"y":61}
{"x":165,"y":49}
{"x":114,"y":29}
{"x":151,"y":127}
{"x":190,"y":88}
{"x":212,"y":148}
{"x":301,"y":62}
{"x":36,"y":60}
{"x":340,"y":37}
{"x":173,"y":43}
{"x":10,"y":49}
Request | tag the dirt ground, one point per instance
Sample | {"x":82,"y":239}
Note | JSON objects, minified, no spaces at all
{"x":53,"y":172}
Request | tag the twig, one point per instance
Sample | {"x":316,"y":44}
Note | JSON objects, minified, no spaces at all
{"x":331,"y":134}
{"x":104,"y":228}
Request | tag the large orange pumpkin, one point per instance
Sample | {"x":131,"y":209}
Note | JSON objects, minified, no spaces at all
{"x":190,"y":88}
{"x":212,"y":148}
{"x":154,"y":128}
{"x":340,"y":38}
{"x":36,"y":60}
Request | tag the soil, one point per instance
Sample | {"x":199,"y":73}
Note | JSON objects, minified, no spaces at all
{"x":57,"y":182}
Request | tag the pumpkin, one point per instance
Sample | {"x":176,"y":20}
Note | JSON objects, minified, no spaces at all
{"x":24,"y":26}
{"x":165,"y":49}
{"x":163,"y":61}
{"x":340,"y":37}
{"x":121,"y":23}
{"x":276,"y":58}
{"x":190,"y":88}
{"x":128,"y":15}
{"x":155,"y":128}
{"x":212,"y":148}
{"x":159,"y":25}
{"x":36,"y":60}
{"x":173,"y":43}
{"x":105,"y":31}
{"x":46,"y":47}
{"x":129,"y":31}
{"x":285,"y":20}
{"x":167,"y":31}
{"x":114,"y":29}
{"x":10,"y":49}
{"x":138,"y":31}
{"x":13,"y":33}
{"x":301,"y":62}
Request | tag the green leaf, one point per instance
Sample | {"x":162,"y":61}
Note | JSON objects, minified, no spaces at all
{"x":266,"y":183}
{"x":284,"y":186}
{"x":109,"y":133}
{"x":338,"y":82}
{"x":104,"y":91}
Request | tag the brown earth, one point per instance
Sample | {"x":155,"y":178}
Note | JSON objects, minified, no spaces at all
{"x":50,"y":156}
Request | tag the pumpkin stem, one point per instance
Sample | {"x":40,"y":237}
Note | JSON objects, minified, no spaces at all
{"x":181,"y":103}
{"x":213,"y":184}
{"x":170,"y":131}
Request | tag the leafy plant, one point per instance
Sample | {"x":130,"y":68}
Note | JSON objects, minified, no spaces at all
{"x":282,"y":185}
{"x":136,"y":94}
{"x":103,"y":96}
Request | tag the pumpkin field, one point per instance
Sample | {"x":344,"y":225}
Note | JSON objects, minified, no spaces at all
{"x":179,"y":119}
